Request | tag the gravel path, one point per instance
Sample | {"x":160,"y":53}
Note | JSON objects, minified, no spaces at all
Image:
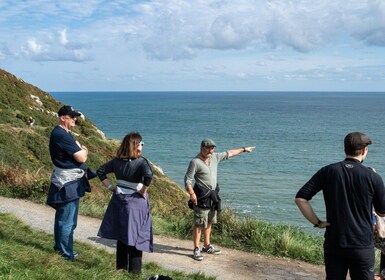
{"x":172,"y":253}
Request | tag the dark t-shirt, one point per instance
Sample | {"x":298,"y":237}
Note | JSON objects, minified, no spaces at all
{"x":62,"y":147}
{"x":350,"y":190}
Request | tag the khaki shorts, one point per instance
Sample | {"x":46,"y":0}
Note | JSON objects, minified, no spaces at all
{"x":203,"y":217}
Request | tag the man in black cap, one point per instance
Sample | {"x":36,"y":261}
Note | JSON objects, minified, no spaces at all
{"x":203,"y":194}
{"x":68,"y":180}
{"x":350,"y":192}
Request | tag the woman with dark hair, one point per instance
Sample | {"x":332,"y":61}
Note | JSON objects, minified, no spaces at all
{"x":127,"y":219}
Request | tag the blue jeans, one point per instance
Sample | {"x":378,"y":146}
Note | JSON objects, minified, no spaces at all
{"x":66,"y":219}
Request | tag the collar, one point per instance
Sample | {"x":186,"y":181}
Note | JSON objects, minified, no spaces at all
{"x":353,"y":159}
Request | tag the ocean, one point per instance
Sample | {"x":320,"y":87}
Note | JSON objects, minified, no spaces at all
{"x":295,"y":134}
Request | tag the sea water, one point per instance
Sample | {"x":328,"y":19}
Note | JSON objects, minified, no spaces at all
{"x":295,"y":134}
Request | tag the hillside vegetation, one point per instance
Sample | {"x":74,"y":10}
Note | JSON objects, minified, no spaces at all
{"x":27,"y":117}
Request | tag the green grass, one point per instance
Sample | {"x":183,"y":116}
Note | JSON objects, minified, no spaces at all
{"x":28,"y":254}
{"x":174,"y":218}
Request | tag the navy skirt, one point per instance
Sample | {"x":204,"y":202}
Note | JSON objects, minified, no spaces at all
{"x":128,"y":220}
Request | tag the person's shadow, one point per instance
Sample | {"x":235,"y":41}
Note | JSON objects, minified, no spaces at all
{"x":158,"y":248}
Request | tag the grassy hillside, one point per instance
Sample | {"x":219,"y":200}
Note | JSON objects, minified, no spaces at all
{"x":27,"y":116}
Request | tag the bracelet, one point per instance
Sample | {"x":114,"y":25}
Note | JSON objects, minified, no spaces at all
{"x":244,"y":149}
{"x":109,"y":187}
{"x":318,"y":223}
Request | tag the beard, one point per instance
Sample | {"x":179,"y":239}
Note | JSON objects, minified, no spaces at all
{"x":206,"y":155}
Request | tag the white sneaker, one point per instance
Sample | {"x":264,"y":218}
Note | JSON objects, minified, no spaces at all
{"x":211,"y":250}
{"x":197,"y":254}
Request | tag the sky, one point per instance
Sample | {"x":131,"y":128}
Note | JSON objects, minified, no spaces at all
{"x":202,"y":45}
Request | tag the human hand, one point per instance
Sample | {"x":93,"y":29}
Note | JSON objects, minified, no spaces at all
{"x":143,"y":191}
{"x":249,"y":149}
{"x":111,"y":188}
{"x":323,"y":224}
{"x":193,"y":198}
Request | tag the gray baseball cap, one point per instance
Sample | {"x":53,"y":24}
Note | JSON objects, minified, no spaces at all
{"x":208,"y":143}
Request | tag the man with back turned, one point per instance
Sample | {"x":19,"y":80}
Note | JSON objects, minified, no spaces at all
{"x":350,"y":191}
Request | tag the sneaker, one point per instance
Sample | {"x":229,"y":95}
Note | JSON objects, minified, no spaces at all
{"x":57,"y":251}
{"x":65,"y":257}
{"x":197,"y":254}
{"x":211,"y":250}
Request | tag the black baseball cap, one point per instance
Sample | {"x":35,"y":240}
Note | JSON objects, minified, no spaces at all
{"x":355,"y":141}
{"x":67,"y":110}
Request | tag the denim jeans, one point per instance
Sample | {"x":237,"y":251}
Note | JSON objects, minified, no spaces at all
{"x":66,"y":219}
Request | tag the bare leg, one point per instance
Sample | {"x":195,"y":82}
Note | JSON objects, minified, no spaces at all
{"x":197,"y":231}
{"x":206,"y":235}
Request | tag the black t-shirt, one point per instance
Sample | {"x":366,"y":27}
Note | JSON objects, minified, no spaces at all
{"x":132,"y":170}
{"x":350,"y":190}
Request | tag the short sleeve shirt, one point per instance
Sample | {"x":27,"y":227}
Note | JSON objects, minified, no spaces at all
{"x":203,"y":174}
{"x":62,"y":147}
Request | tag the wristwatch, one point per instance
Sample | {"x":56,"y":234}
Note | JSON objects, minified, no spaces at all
{"x":318,"y":223}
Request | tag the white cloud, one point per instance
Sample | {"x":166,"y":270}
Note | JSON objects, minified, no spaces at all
{"x":34,"y":48}
{"x":300,"y":25}
{"x":180,"y":29}
{"x":51,"y":47}
{"x":168,"y":38}
{"x":197,"y":40}
{"x":226,"y":33}
{"x":369,"y":24}
{"x":63,"y":37}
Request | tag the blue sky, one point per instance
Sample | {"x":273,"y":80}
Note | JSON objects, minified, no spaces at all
{"x":260,"y":45}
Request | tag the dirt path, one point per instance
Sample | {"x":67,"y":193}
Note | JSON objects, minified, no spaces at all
{"x":172,"y":253}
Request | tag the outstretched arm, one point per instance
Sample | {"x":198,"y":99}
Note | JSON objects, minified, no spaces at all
{"x":239,"y":151}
